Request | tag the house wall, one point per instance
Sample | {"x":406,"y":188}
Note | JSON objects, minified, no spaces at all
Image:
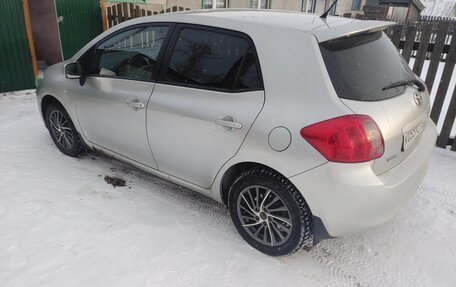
{"x":399,"y":14}
{"x":239,"y":3}
{"x":191,"y":4}
{"x":289,"y":5}
{"x":321,"y":6}
{"x":343,"y":7}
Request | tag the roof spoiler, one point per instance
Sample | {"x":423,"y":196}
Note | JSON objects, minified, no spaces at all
{"x":351,"y":29}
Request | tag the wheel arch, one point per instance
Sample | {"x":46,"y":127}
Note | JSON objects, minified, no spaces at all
{"x":46,"y":101}
{"x":233,"y":172}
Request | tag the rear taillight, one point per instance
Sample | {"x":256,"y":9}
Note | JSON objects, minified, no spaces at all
{"x":350,"y":138}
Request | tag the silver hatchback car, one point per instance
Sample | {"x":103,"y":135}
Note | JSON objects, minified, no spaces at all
{"x":306,"y":128}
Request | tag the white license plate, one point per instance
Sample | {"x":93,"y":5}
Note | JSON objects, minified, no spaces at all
{"x":410,"y":136}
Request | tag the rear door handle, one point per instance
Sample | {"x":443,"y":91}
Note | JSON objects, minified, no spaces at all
{"x":134,"y":103}
{"x":228,"y":123}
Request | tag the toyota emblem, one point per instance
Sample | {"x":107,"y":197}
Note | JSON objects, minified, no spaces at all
{"x":417,"y":98}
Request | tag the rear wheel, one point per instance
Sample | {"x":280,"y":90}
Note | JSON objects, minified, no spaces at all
{"x":269,"y":212}
{"x":62,"y":130}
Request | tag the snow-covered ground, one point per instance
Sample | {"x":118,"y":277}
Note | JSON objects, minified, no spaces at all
{"x":61,"y":224}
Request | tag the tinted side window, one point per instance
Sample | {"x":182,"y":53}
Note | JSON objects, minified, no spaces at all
{"x":248,"y":77}
{"x":212,"y":60}
{"x":131,"y":54}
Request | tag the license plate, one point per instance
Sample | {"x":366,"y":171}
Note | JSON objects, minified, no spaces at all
{"x":410,"y":136}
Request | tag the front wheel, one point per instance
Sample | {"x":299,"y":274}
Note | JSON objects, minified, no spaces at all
{"x":62,"y":130}
{"x":269,"y":212}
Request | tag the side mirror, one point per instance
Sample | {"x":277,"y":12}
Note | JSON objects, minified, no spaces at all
{"x":73,"y":70}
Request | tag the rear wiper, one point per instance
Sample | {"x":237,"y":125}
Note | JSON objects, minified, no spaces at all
{"x":410,"y":82}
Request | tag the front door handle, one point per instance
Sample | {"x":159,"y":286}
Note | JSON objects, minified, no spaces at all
{"x":228,"y":123}
{"x":134,"y":103}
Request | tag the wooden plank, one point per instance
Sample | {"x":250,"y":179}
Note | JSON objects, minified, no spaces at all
{"x":444,"y":82}
{"x":125,"y":12}
{"x":137,"y":11}
{"x":114,"y":15}
{"x":437,"y":50}
{"x":422,"y":49}
{"x":409,"y":41}
{"x":28,"y":31}
{"x":396,"y":38}
{"x":120,"y":17}
{"x":453,"y":147}
{"x":442,"y":140}
{"x":131,"y":9}
{"x":109,"y":16}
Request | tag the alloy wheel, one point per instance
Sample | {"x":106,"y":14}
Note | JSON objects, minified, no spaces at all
{"x":264,"y":215}
{"x":61,"y":129}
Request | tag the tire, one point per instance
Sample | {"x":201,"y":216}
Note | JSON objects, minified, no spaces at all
{"x":262,"y":204}
{"x":62,"y":130}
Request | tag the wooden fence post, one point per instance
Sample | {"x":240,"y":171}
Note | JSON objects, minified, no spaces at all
{"x":409,"y":42}
{"x":396,"y":39}
{"x":28,"y":31}
{"x":444,"y":82}
{"x":109,"y":16}
{"x":422,"y":49}
{"x":103,"y":14}
{"x":439,"y":44}
{"x":442,"y":140}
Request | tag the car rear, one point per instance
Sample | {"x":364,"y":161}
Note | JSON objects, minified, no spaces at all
{"x":377,"y":156}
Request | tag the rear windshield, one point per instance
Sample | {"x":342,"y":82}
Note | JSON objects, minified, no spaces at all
{"x":361,"y":66}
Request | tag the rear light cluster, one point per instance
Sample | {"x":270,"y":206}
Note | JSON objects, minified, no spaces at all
{"x":348,"y":139}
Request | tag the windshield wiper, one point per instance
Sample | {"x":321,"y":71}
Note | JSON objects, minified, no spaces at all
{"x":410,"y":82}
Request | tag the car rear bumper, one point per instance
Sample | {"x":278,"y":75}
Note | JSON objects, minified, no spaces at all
{"x":349,"y":198}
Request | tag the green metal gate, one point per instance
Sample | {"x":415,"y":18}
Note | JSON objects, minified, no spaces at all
{"x":16,"y":70}
{"x":79,"y":22}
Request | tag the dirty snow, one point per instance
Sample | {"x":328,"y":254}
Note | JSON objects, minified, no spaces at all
{"x":61,"y":224}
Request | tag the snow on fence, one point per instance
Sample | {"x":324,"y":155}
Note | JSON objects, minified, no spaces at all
{"x":429,"y":42}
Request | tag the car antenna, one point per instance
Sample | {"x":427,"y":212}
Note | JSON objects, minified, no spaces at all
{"x":324,"y":15}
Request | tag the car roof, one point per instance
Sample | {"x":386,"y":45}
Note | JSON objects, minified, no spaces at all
{"x":248,"y":20}
{"x":324,"y":29}
{"x":280,"y":19}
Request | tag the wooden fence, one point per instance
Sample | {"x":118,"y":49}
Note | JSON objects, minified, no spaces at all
{"x":430,"y":38}
{"x":125,"y":11}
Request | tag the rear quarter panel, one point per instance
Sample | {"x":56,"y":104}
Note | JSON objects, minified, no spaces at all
{"x":297,"y":94}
